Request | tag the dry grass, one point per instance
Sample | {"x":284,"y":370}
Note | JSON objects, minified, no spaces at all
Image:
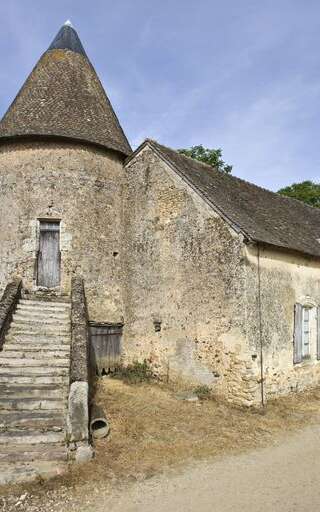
{"x":151,"y":430}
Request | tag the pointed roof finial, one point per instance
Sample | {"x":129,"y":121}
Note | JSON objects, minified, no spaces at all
{"x":67,"y":39}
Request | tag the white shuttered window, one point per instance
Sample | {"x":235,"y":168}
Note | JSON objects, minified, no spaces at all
{"x":305,"y":333}
{"x":306,"y":340}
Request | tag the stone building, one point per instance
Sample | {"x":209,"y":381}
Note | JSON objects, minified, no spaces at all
{"x":212,"y":279}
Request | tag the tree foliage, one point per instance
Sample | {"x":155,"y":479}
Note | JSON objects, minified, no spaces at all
{"x":306,"y":191}
{"x":208,"y":156}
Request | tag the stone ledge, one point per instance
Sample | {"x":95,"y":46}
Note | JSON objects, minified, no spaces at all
{"x":8,"y":304}
{"x":79,"y":371}
{"x":78,"y":416}
{"x":79,"y":393}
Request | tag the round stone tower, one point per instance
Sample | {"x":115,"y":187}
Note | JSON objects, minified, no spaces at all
{"x":61,"y":176}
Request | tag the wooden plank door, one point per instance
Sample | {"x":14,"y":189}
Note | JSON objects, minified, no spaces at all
{"x":106,"y":346}
{"x":49,"y":255}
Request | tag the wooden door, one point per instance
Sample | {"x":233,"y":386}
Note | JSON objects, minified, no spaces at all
{"x":49,"y":255}
{"x":106,"y":346}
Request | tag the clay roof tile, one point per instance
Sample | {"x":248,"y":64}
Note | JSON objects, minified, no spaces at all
{"x":261,"y":215}
{"x":64,"y":97}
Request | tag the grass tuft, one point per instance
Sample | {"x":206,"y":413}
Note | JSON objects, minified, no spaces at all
{"x":135,"y":373}
{"x":203,"y":392}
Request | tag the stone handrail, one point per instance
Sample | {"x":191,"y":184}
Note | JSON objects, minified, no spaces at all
{"x":79,"y":371}
{"x":8,"y":302}
{"x":80,"y":374}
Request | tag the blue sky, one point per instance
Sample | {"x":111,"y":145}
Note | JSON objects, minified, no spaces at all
{"x":240,"y":75}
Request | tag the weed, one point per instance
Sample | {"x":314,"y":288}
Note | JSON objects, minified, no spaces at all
{"x":134,"y":373}
{"x":203,"y":392}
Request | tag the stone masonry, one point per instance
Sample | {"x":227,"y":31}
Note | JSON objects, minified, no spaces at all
{"x":203,"y":270}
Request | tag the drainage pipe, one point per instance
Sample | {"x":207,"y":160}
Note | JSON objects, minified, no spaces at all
{"x":99,"y":426}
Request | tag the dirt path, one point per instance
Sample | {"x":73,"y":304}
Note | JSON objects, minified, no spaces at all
{"x":243,"y":460}
{"x":280,"y":478}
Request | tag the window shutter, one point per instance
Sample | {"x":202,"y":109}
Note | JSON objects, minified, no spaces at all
{"x":318,"y":332}
{"x":297,"y":338}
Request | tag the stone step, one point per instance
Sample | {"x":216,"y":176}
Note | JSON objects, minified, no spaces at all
{"x":41,"y":355}
{"x":58,"y":307}
{"x":44,"y":296}
{"x":31,"y":437}
{"x":28,"y":471}
{"x":42,"y":304}
{"x":31,"y":453}
{"x":37,"y":420}
{"x":18,"y":328}
{"x":39,"y":334}
{"x":11,"y":362}
{"x":34,"y":338}
{"x":45,"y":350}
{"x":31,"y":404}
{"x":38,"y":337}
{"x":34,"y":378}
{"x":39,"y":371}
{"x":40,"y":315}
{"x":34,"y":387}
{"x":35,"y":390}
{"x":38,"y":319}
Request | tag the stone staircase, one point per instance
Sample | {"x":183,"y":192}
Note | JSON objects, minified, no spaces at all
{"x":34,"y":387}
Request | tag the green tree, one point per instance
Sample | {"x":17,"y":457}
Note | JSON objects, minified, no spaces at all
{"x":208,"y":156}
{"x":306,"y":191}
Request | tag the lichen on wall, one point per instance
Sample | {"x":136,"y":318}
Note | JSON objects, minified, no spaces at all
{"x":197,"y":301}
{"x":81,"y":186}
{"x":285,"y":279}
{"x":185,"y":268}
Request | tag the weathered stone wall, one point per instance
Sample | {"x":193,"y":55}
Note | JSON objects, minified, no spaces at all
{"x":79,"y":185}
{"x":184,"y":269}
{"x":154,"y":255}
{"x":285,"y":279}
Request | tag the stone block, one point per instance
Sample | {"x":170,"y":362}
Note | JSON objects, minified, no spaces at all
{"x":78,"y":414}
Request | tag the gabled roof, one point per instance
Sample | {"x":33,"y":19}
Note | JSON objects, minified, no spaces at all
{"x":260,"y":215}
{"x":63,"y":97}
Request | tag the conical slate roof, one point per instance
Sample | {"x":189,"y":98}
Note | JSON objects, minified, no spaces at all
{"x":63,"y":97}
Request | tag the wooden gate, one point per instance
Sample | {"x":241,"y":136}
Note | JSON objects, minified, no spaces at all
{"x":106,"y":346}
{"x":49,"y":255}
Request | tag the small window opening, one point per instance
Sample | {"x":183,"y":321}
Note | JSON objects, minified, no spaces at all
{"x":157,"y":325}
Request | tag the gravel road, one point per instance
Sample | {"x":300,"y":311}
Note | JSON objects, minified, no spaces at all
{"x":282,"y":478}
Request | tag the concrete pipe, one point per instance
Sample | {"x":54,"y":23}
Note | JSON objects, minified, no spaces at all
{"x":99,"y":426}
